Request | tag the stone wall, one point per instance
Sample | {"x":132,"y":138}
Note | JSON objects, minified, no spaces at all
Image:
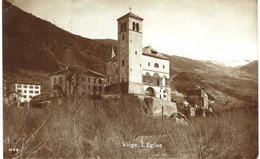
{"x":156,"y":105}
{"x":152,"y":106}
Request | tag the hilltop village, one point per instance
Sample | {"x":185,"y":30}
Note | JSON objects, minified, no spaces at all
{"x":143,"y":72}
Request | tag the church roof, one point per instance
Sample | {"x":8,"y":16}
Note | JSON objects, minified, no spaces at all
{"x":149,"y":51}
{"x":130,"y":14}
{"x":78,"y":69}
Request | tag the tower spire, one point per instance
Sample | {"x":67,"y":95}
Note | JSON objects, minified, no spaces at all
{"x":113,"y":53}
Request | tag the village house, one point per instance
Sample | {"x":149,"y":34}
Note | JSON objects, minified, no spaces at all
{"x":14,"y":98}
{"x":27,"y":90}
{"x":135,"y":69}
{"x":76,"y":79}
{"x":197,"y":97}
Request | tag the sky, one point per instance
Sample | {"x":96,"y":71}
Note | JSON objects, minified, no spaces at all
{"x":219,"y":30}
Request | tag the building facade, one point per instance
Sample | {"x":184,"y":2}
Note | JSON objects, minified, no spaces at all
{"x":82,"y":81}
{"x":135,"y":69}
{"x":197,"y":97}
{"x":26,"y":90}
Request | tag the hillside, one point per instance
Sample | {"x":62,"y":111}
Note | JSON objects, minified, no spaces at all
{"x":31,"y":43}
{"x":252,"y":67}
{"x":32,"y":48}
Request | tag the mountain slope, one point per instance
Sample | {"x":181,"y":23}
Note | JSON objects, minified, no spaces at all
{"x":34,"y":44}
{"x":252,"y":67}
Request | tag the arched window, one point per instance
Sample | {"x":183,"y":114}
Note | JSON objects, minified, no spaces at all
{"x":147,"y":78}
{"x":133,"y":25}
{"x":121,"y":27}
{"x":124,"y":26}
{"x":156,"y":79}
{"x":156,"y":65}
{"x":137,"y":27}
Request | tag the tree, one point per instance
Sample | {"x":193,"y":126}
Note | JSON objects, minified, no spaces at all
{"x":69,"y":86}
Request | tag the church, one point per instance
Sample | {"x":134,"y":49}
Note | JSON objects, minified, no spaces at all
{"x":134,"y":69}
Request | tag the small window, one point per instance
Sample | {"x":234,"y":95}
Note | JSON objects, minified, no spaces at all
{"x":36,"y":92}
{"x":163,"y":67}
{"x":123,"y":63}
{"x":37,"y":87}
{"x":95,"y":80}
{"x":19,"y":86}
{"x":156,"y":65}
{"x":137,"y":27}
{"x":130,"y":69}
{"x":25,"y":87}
{"x":164,"y":96}
{"x":31,"y":87}
{"x":54,"y":79}
{"x":136,"y":52}
{"x":148,"y":63}
{"x":19,"y":91}
{"x":24,"y":96}
{"x":30,"y":96}
{"x":83,"y":79}
{"x":123,"y":37}
{"x":123,"y":79}
{"x":122,"y":27}
{"x":30,"y":91}
{"x":100,"y":81}
{"x":133,"y":25}
{"x":25,"y":91}
{"x":164,"y":91}
{"x":140,"y":65}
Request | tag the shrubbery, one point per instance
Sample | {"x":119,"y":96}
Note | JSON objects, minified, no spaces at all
{"x":91,"y":128}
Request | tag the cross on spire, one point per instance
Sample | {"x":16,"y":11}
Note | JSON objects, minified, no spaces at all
{"x":130,"y":8}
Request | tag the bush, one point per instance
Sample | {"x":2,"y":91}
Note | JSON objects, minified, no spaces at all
{"x":91,"y":128}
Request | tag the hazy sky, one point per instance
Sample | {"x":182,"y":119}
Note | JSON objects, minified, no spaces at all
{"x":201,"y":29}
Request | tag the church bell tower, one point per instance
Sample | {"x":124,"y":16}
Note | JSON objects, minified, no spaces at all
{"x":130,"y":30}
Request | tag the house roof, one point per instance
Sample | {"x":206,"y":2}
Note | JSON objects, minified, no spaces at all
{"x":150,"y":51}
{"x":26,"y":83}
{"x":96,"y":73}
{"x":14,"y":93}
{"x":195,"y":91}
{"x":130,"y":14}
{"x":112,"y":59}
{"x":147,"y":51}
{"x":81,"y":70}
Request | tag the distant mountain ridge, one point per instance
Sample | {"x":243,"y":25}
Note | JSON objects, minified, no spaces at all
{"x":251,"y":67}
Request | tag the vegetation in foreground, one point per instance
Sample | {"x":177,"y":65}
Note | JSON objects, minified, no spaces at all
{"x":89,"y":128}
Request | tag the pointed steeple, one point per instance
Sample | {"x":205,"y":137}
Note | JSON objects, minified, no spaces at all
{"x":113,"y":53}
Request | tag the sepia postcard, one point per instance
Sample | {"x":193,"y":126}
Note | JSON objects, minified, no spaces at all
{"x":130,"y":79}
